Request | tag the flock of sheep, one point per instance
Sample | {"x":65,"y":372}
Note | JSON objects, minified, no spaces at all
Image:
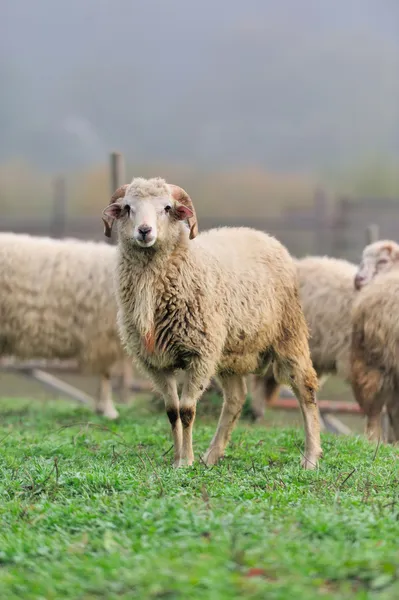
{"x":354,"y":332}
{"x":227,"y":303}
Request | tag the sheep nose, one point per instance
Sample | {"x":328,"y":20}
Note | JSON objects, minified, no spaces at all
{"x":358,"y":281}
{"x":144,"y":230}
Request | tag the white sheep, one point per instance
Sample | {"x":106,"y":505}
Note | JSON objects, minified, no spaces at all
{"x":375,"y":337}
{"x":327,"y":292}
{"x":224,"y":303}
{"x":57,"y":302}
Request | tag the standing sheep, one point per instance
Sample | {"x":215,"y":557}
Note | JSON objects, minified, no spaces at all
{"x":57,"y":302}
{"x":375,"y":336}
{"x":225,"y":303}
{"x":327,"y":293}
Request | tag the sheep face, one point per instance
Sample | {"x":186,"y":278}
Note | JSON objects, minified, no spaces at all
{"x":379,"y":257}
{"x":148,"y":212}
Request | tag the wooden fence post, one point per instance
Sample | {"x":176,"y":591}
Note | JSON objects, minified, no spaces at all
{"x":372,"y":234}
{"x":117,"y":178}
{"x":58,"y":224}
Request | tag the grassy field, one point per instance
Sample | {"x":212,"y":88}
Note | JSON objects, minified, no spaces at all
{"x":91,"y":510}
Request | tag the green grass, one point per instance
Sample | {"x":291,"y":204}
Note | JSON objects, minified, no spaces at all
{"x":90,"y":510}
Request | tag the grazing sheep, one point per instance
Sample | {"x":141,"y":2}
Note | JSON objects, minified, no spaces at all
{"x":375,"y":337}
{"x":57,"y":302}
{"x":224,"y":303}
{"x":326,"y":293}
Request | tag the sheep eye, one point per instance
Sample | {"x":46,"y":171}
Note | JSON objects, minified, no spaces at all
{"x":168,"y":208}
{"x":127,"y":209}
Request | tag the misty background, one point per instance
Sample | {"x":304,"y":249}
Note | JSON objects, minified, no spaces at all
{"x":250,"y":104}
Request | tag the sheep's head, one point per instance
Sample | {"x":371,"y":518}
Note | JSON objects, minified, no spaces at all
{"x":149,"y":210}
{"x":379,"y":257}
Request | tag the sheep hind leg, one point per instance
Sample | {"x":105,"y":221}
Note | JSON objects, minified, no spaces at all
{"x":373,"y":418}
{"x":264,"y":391}
{"x":301,"y":377}
{"x":104,"y":403}
{"x":367,"y":387}
{"x":256,"y":386}
{"x":374,"y":412}
{"x":234,"y":393}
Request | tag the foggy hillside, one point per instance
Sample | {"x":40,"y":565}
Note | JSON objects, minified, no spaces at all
{"x":298,"y":85}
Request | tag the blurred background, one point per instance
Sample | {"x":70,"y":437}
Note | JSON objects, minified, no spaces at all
{"x":283,"y":114}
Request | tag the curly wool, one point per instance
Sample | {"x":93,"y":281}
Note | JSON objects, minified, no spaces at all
{"x":230,"y":292}
{"x":375,"y":338}
{"x":327,"y":293}
{"x":57,"y":301}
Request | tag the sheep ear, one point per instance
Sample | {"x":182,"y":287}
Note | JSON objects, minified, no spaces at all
{"x":182,"y":197}
{"x":392,"y":249}
{"x":182,"y":212}
{"x":110,"y":213}
{"x":388,"y":248}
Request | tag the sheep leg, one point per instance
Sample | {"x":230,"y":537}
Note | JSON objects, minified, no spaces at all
{"x":373,"y":413}
{"x":258,"y":400}
{"x":196,"y":380}
{"x":272,"y":389}
{"x":166,"y":384}
{"x":234,"y":393}
{"x":373,"y":427}
{"x":311,"y":418}
{"x":302,"y":378}
{"x":126,"y":381}
{"x":393,"y":413}
{"x":388,"y":425}
{"x":367,"y":387}
{"x":265,"y":390}
{"x":104,"y":403}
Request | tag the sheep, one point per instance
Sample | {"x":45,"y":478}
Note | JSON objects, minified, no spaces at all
{"x":223,"y":303}
{"x":57,"y":302}
{"x":375,"y":336}
{"x":326,"y":292}
{"x":377,"y":258}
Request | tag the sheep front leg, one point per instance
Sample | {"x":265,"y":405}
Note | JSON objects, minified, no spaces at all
{"x":167,"y":386}
{"x":196,"y":380}
{"x":104,"y":403}
{"x":234,"y":393}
